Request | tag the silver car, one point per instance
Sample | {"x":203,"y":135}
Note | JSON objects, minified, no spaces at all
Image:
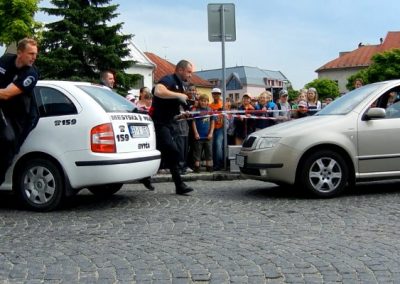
{"x":355,"y":138}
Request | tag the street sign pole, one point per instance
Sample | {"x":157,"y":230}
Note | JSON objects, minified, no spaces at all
{"x":223,"y":80}
{"x":221,"y":27}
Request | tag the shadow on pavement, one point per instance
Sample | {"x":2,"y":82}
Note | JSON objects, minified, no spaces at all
{"x":9,"y":201}
{"x":287,"y":192}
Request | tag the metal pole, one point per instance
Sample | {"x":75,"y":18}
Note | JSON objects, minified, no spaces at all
{"x":223,"y":78}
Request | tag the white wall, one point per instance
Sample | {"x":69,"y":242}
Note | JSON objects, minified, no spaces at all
{"x":339,"y":75}
{"x":145,"y":71}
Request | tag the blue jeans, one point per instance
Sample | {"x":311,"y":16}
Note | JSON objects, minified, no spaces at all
{"x":218,"y":148}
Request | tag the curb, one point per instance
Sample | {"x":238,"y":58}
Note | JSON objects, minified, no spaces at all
{"x":216,"y":176}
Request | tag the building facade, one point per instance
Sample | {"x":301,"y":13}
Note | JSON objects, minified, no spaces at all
{"x":245,"y":79}
{"x":350,"y":62}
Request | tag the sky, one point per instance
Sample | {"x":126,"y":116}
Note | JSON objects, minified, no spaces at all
{"x":295,"y":37}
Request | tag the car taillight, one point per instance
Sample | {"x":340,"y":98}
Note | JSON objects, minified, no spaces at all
{"x":102,"y":139}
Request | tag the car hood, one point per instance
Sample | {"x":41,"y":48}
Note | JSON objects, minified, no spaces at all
{"x":310,"y":124}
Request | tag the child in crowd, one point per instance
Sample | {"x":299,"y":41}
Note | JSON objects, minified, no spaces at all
{"x":243,"y":125}
{"x":230,"y":123}
{"x":203,"y":128}
{"x":302,"y":110}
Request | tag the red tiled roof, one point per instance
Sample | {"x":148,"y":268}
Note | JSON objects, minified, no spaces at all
{"x":164,"y":67}
{"x":361,"y":57}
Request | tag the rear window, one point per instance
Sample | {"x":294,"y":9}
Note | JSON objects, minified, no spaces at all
{"x":109,"y":100}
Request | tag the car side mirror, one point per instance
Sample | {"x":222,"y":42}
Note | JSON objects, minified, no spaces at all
{"x":375,"y":113}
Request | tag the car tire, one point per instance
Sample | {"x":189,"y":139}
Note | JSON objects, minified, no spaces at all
{"x":324,"y":173}
{"x":40,"y":185}
{"x":106,"y":189}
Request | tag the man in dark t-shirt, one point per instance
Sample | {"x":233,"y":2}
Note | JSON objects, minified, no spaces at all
{"x":169,"y":96}
{"x":18,"y":77}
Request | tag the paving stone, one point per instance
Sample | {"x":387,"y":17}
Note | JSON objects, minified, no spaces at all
{"x":231,"y":231}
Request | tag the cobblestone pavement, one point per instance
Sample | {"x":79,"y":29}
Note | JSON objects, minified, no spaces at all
{"x":225,"y":232}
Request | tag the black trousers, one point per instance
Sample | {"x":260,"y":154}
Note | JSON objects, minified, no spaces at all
{"x":182,"y":143}
{"x":8,"y":148}
{"x":166,"y":138}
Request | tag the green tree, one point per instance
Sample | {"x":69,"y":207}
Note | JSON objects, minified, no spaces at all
{"x":16,"y":20}
{"x":385,"y":66}
{"x":82,"y":43}
{"x":326,"y":88}
{"x":293,"y":94}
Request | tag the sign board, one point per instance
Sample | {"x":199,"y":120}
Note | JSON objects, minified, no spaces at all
{"x":221,"y":17}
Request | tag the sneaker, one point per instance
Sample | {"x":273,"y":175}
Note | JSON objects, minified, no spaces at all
{"x":163,"y":171}
{"x":189,"y":170}
{"x":209,"y":169}
{"x":196,"y":170}
{"x":183,"y":188}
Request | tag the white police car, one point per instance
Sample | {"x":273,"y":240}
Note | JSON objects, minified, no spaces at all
{"x":87,"y":137}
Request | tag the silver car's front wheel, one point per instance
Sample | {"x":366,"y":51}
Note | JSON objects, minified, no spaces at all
{"x":324,"y":173}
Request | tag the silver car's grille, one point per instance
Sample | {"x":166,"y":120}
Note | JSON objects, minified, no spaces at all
{"x":249,"y":142}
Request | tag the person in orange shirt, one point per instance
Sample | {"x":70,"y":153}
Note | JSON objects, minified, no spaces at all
{"x":218,"y":137}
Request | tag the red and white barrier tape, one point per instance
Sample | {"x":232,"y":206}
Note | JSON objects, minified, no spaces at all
{"x":244,"y":114}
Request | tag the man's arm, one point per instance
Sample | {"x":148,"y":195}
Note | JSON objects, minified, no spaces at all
{"x":162,"y":92}
{"x":11,"y":91}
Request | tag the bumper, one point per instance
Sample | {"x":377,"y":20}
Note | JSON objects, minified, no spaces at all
{"x":88,"y":172}
{"x":273,"y":165}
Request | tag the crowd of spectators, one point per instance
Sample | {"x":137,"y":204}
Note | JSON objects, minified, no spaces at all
{"x":201,"y":138}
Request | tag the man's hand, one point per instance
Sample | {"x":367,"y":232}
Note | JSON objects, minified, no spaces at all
{"x":9,"y":92}
{"x":182,"y":98}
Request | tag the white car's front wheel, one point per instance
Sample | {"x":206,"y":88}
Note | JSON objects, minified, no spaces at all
{"x":40,"y":184}
{"x":324,"y":173}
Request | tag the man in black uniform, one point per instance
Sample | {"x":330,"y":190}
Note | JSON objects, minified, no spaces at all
{"x":169,"y":95}
{"x":18,"y":115}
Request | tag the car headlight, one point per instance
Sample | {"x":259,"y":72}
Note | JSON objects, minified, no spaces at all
{"x":267,"y":142}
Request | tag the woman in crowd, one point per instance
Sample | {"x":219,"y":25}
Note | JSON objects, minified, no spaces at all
{"x":145,"y":99}
{"x":313,"y":104}
{"x":264,"y":106}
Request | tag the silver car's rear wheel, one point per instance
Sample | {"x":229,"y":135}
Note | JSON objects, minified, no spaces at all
{"x":40,"y":185}
{"x":324,"y":173}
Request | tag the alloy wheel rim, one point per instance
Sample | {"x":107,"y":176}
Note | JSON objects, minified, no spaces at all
{"x":325,"y":174}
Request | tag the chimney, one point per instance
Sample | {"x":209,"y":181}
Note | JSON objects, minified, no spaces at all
{"x":381,"y":40}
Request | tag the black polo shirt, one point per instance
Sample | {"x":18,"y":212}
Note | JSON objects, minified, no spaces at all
{"x":164,"y":110}
{"x":24,"y":78}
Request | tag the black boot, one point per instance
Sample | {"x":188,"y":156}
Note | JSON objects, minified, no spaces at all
{"x":147,"y":183}
{"x":183,"y":188}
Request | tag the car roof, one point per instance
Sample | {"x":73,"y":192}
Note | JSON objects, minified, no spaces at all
{"x":64,"y":84}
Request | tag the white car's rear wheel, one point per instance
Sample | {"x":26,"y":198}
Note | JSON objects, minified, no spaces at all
{"x":40,"y":184}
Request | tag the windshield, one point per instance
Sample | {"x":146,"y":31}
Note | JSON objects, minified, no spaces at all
{"x":109,"y":100}
{"x":349,"y":101}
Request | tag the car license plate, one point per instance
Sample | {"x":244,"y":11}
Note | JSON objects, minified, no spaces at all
{"x":139,"y":131}
{"x":240,"y":160}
